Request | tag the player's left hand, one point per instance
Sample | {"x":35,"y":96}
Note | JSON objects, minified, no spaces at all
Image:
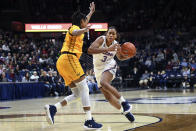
{"x":118,"y":48}
{"x":122,"y":56}
{"x":92,"y":7}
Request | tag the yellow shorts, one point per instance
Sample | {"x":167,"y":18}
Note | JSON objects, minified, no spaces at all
{"x":69,"y":68}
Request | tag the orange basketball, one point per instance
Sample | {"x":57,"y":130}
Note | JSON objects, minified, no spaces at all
{"x":128,"y":49}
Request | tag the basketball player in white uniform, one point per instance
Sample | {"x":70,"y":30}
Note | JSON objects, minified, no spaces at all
{"x":104,"y":48}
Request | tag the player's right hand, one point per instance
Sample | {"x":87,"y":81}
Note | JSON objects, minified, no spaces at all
{"x":87,"y":28}
{"x":113,"y":47}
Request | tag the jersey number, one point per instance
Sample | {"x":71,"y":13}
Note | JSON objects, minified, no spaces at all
{"x":104,"y":59}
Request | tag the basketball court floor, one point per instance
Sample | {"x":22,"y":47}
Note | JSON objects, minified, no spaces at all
{"x":154,"y":111}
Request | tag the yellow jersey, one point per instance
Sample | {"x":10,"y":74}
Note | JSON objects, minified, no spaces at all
{"x":73,"y":43}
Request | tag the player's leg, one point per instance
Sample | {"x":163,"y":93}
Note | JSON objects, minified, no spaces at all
{"x":52,"y":109}
{"x":79,"y":91}
{"x":110,"y":98}
{"x":68,"y":99}
{"x":64,"y":68}
{"x":82,"y":86}
{"x":107,"y":94}
{"x":70,"y":69}
{"x":106,"y":78}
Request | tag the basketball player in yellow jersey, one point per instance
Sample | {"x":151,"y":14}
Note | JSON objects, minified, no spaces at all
{"x":70,"y":69}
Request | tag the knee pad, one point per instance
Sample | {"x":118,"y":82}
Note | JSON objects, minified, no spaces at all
{"x":84,"y":92}
{"x":74,"y":96}
{"x":75,"y":91}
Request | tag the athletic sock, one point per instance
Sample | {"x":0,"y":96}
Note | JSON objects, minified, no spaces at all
{"x":121,"y":99}
{"x":88,"y":115}
{"x":58,"y":106}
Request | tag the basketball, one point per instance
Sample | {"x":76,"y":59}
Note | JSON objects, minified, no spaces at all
{"x":128,"y":49}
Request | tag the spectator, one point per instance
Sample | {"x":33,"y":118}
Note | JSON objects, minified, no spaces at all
{"x":5,"y":47}
{"x":151,"y":82}
{"x":135,"y":75}
{"x":160,"y":56}
{"x":3,"y":77}
{"x":26,"y":78}
{"x":45,"y":78}
{"x":193,"y":64}
{"x":34,"y":77}
{"x":60,"y":85}
{"x":157,"y":80}
{"x":184,"y":63}
{"x":93,"y":87}
{"x":186,"y":82}
{"x":53,"y":83}
{"x":144,"y":80}
{"x":11,"y":76}
{"x":169,"y":66}
{"x":175,"y":57}
{"x":148,"y":63}
{"x":185,"y":71}
{"x":1,"y":69}
{"x":163,"y":80}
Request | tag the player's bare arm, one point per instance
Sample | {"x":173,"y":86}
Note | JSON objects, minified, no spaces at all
{"x":88,"y":17}
{"x":94,"y":48}
{"x":80,"y":31}
{"x":92,"y":10}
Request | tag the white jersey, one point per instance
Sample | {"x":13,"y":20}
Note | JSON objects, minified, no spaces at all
{"x":103,"y":59}
{"x":104,"y":62}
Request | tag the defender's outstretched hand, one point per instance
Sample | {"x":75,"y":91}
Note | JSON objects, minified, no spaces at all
{"x":92,"y":7}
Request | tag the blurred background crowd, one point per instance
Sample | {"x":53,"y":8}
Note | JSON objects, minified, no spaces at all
{"x":163,"y":32}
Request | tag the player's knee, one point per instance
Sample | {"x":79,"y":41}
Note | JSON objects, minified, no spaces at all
{"x":103,"y":83}
{"x":85,"y":89}
{"x":76,"y":96}
{"x":75,"y":92}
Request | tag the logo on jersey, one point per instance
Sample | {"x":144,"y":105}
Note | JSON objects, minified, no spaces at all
{"x":78,"y":73}
{"x":108,"y":54}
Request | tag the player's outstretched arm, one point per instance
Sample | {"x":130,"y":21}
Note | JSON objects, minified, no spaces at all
{"x":92,"y":10}
{"x":86,"y":29}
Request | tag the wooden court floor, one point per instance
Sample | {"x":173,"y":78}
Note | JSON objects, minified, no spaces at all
{"x":154,"y":111}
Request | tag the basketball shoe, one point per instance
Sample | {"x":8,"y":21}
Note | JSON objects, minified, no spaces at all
{"x":50,"y":113}
{"x":127,"y":111}
{"x":92,"y":125}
